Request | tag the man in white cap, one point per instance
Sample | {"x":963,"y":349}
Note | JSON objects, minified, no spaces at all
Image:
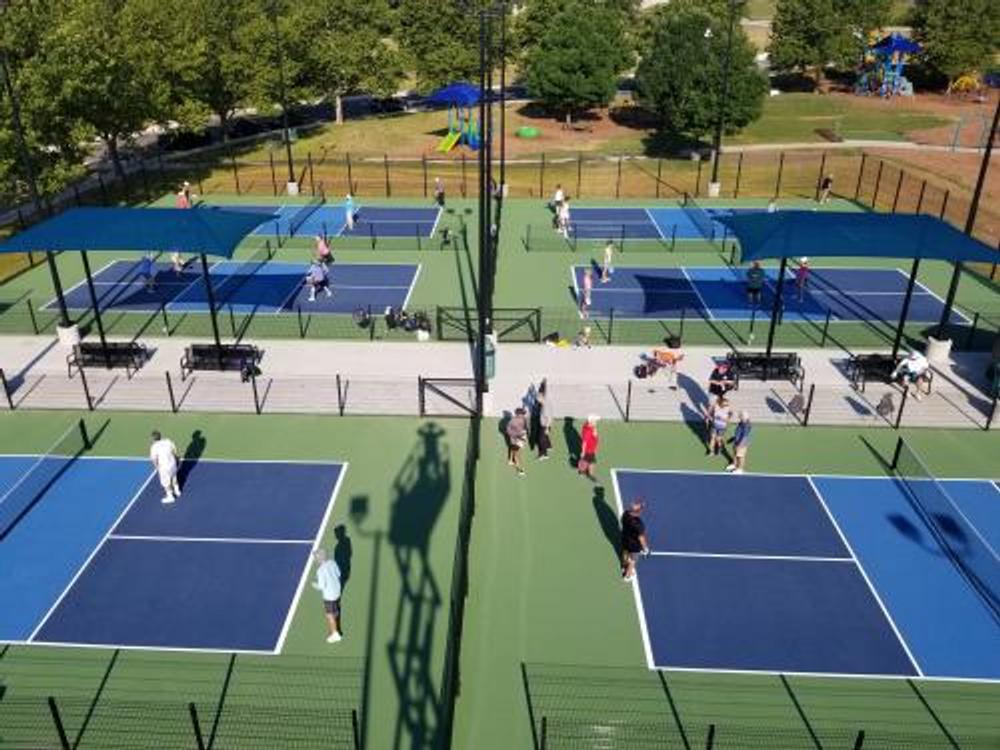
{"x":328,"y":584}
{"x":741,"y":444}
{"x":163,"y":454}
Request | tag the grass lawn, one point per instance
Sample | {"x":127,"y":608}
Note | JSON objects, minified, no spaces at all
{"x":398,"y":506}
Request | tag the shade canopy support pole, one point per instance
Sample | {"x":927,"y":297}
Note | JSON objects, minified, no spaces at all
{"x":906,"y":306}
{"x":96,"y":307}
{"x":211,"y":303}
{"x":776,"y":309}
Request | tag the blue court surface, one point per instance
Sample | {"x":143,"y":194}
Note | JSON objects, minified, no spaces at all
{"x":331,"y":220}
{"x":100,"y":561}
{"x":649,"y":223}
{"x":810,"y":575}
{"x":271,"y":287}
{"x":719,"y":293}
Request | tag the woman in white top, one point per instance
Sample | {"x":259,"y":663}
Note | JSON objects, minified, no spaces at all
{"x":606,"y":267}
{"x":564,"y":218}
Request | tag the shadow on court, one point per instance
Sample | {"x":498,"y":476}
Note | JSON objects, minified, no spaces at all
{"x":192,"y":454}
{"x":607,"y":519}
{"x":573,"y":442}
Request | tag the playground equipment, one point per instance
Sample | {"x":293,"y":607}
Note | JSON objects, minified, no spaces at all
{"x":463,"y":127}
{"x":881,"y":71}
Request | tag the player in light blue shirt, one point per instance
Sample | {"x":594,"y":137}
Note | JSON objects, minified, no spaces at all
{"x":328,"y":584}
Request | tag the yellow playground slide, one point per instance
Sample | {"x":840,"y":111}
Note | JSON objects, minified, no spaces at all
{"x":448,"y":142}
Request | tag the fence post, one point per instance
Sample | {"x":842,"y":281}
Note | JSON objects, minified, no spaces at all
{"x":861,"y":174}
{"x":170,"y":392}
{"x":819,"y":177}
{"x":878,"y":184}
{"x":312,"y":175}
{"x":423,"y":171}
{"x":388,"y":184}
{"x":899,"y":187}
{"x":541,"y":177}
{"x":628,"y":400}
{"x":355,"y":732}
{"x":859,"y":741}
{"x":809,"y":405}
{"x":902,"y":405}
{"x":421,"y":405}
{"x":199,"y":740}
{"x":6,"y":389}
{"x":781,"y":172}
{"x":544,"y":733}
{"x":350,"y":174}
{"x":236,"y":169}
{"x":944,"y":204}
{"x":611,"y":326}
{"x":464,"y":180}
{"x":274,"y":177}
{"x":340,"y":396}
{"x":253,"y":385}
{"x":618,"y":179}
{"x":579,"y":176}
{"x":710,"y":739}
{"x":86,"y":387}
{"x":659,"y":173}
{"x":697,"y":179}
{"x":739,"y":174}
{"x":57,"y":720}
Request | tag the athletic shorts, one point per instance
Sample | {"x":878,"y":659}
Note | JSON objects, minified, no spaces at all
{"x":168,"y":475}
{"x":332,"y":608}
{"x":741,"y":450}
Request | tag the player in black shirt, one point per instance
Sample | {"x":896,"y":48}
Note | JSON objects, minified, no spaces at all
{"x":633,"y":538}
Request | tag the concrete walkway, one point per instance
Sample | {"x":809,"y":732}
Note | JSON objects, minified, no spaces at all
{"x":361,"y":378}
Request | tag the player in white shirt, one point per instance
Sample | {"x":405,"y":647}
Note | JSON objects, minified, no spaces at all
{"x":163,"y":454}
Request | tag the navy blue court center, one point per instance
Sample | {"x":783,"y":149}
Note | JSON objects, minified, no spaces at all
{"x":719,"y":293}
{"x":331,"y":221}
{"x":100,"y":561}
{"x":808,"y":575}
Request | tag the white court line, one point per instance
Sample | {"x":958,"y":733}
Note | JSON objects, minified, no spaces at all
{"x":736,"y":556}
{"x":434,"y":227}
{"x":145,"y":459}
{"x":209,"y":539}
{"x":927,"y":290}
{"x":833,"y":675}
{"x":92,"y":555}
{"x":636,"y":592}
{"x":83,"y":283}
{"x":864,"y":574}
{"x":40,"y":458}
{"x":305,"y":571}
{"x":413,"y":284}
{"x":656,"y":226}
{"x":134,"y":647}
{"x":796,"y":476}
{"x":701,"y":299}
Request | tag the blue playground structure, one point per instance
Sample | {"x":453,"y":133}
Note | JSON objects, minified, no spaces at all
{"x":463,"y":127}
{"x":881,"y":71}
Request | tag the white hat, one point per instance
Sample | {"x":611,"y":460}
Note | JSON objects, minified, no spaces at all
{"x":592,"y":418}
{"x":803,"y":259}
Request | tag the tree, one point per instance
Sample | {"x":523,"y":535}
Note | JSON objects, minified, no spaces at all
{"x":350,"y":52}
{"x":577,"y":62}
{"x":680,"y":78}
{"x":440,"y":39}
{"x":538,"y":16}
{"x":959,"y":36}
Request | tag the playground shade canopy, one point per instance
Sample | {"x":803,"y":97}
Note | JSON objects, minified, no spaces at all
{"x":459,"y":94}
{"x":897,"y":43}
{"x":827,"y":234}
{"x":203,"y":230}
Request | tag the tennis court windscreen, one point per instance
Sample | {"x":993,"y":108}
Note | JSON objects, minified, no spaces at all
{"x":699,"y":217}
{"x":303,"y":214}
{"x":963,"y":543}
{"x":31,"y":486}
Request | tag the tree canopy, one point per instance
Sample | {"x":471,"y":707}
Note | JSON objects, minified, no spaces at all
{"x":959,"y":36}
{"x":681,"y":75}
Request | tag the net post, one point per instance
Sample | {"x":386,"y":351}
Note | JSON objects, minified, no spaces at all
{"x":809,"y":405}
{"x":170,"y":392}
{"x":251,"y":370}
{"x":859,"y":741}
{"x":31,"y":314}
{"x":371,"y":325}
{"x":993,"y":411}
{"x":710,"y":739}
{"x":371,"y":235}
{"x":6,"y":390}
{"x":196,"y":725}
{"x":621,"y":241}
{"x":628,"y":401}
{"x":355,"y":730}
{"x":340,"y":396}
{"x":298,"y":316}
{"x":416,"y":231}
{"x":82,"y":427}
{"x":902,"y":406}
{"x":421,"y":398}
{"x":57,"y":720}
{"x":86,"y":387}
{"x":673,"y":238}
{"x":166,"y":320}
{"x":896,"y":453}
{"x":527,"y":238}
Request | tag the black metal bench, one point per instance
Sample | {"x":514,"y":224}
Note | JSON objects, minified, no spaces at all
{"x":862,"y":368}
{"x":777,"y":365}
{"x":236,"y":357}
{"x":128,"y":354}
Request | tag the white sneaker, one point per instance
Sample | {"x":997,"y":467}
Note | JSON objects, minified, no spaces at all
{"x":731,"y":467}
{"x":312,"y":298}
{"x":167,"y":499}
{"x":328,"y":293}
{"x":335,"y":638}
{"x":737,"y":471}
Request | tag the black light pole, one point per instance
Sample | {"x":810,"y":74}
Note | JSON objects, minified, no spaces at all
{"x":503,"y":98}
{"x":481,"y":381}
{"x":29,"y":176}
{"x":970,"y":220}
{"x":281,"y":90}
{"x":720,"y":122}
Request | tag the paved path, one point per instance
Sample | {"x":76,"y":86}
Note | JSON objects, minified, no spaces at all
{"x":361,"y":378}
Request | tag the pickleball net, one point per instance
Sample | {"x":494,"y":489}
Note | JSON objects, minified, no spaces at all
{"x":963,"y":543}
{"x":699,"y":217}
{"x":303,"y":214}
{"x":31,"y":486}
